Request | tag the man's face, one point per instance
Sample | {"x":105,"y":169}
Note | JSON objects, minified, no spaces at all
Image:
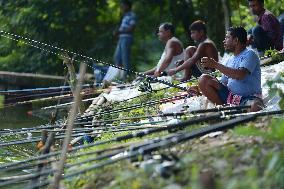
{"x":124,"y":8}
{"x":163,"y":34}
{"x":255,"y":7}
{"x":196,"y":35}
{"x":229,"y":42}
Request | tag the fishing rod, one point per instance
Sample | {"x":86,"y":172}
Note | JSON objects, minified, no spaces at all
{"x":67,"y":104}
{"x":97,"y":123}
{"x":119,"y":102}
{"x":75,"y":134}
{"x":174,"y":114}
{"x":135,"y":106}
{"x":133,"y":135}
{"x":194,"y":120}
{"x":155,"y":146}
{"x":66,"y":96}
{"x":179,"y":138}
{"x":36,"y":90}
{"x":32,"y":42}
{"x":108,"y":128}
{"x":59,"y":128}
{"x":71,"y":156}
{"x":34,"y":96}
{"x":32,"y":140}
{"x":134,"y":146}
{"x":46,"y":126}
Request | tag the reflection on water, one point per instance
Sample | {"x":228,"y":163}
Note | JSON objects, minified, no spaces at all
{"x":18,"y":117}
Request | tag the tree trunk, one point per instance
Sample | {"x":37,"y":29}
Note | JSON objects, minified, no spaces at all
{"x":226,"y":14}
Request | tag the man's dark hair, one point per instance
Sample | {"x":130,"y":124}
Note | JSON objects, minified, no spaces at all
{"x":198,"y":25}
{"x":168,"y":26}
{"x":260,"y":1}
{"x":127,"y":3}
{"x":239,"y":32}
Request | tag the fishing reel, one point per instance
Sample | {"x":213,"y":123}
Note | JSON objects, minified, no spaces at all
{"x":145,"y":86}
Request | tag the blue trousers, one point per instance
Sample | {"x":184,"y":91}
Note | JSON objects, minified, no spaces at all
{"x":122,"y":53}
{"x":260,"y":39}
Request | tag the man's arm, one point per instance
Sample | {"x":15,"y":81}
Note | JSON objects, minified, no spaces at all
{"x":238,"y":74}
{"x":170,"y":51}
{"x":150,"y":72}
{"x":130,"y":29}
{"x":191,"y":61}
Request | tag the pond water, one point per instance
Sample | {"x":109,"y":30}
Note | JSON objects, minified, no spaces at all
{"x":19,"y":117}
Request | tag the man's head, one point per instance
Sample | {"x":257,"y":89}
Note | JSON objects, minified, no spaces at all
{"x":166,"y":31}
{"x":125,"y":5}
{"x":256,"y":6}
{"x":235,"y":37}
{"x":198,"y":30}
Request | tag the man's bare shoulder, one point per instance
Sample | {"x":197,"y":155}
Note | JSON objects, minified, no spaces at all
{"x":207,"y":44}
{"x":174,"y":42}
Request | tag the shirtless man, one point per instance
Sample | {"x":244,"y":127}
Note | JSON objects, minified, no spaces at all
{"x":173,"y":50}
{"x":205,"y":48}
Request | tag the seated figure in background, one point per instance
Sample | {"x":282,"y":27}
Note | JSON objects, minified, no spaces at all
{"x":205,"y":47}
{"x":173,"y":50}
{"x":267,"y":34}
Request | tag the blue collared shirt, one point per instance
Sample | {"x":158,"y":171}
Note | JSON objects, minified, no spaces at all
{"x":128,"y":20}
{"x":251,"y":84}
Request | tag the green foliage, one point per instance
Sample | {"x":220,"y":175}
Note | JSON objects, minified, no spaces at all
{"x":241,"y":14}
{"x":2,"y":98}
{"x":274,"y":132}
{"x":86,"y":27}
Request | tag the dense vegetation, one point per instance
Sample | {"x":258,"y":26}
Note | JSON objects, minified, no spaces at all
{"x":86,"y":27}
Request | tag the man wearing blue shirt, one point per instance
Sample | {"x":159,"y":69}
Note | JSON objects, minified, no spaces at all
{"x":241,"y":79}
{"x":122,"y":52}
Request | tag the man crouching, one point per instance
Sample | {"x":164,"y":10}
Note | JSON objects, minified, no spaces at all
{"x":241,"y":76}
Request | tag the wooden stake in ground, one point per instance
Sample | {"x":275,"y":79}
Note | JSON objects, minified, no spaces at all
{"x":70,"y":123}
{"x":72,"y":79}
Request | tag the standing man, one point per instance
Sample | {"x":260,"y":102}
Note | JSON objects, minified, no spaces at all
{"x":205,"y":47}
{"x":241,"y":79}
{"x":125,"y":35}
{"x":267,"y":34}
{"x":173,"y":50}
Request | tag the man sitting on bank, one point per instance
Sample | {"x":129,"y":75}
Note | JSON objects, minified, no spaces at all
{"x":173,"y":50}
{"x":241,"y":80}
{"x":205,"y":48}
{"x":267,"y":34}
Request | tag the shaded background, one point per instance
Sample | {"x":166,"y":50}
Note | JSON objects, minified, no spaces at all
{"x":86,"y":26}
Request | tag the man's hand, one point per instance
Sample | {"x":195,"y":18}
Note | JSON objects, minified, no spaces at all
{"x":208,"y":63}
{"x":157,"y":73}
{"x":172,"y":71}
{"x":249,"y":40}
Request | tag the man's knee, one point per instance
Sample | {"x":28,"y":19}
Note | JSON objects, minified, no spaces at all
{"x":258,"y":32}
{"x":203,"y":80}
{"x":190,"y":50}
